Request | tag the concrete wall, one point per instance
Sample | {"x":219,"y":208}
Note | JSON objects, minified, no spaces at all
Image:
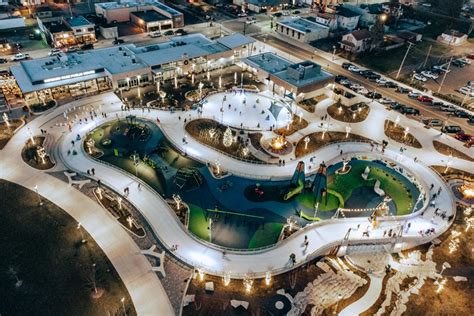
{"x":109,"y":32}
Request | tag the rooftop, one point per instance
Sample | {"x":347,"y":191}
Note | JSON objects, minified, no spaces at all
{"x":77,"y":21}
{"x":57,"y":26}
{"x":361,"y":34}
{"x":301,"y":25}
{"x":298,"y":74}
{"x":117,"y":5}
{"x":149,"y":16}
{"x":345,"y":12}
{"x":235,"y":40}
{"x":269,"y":62}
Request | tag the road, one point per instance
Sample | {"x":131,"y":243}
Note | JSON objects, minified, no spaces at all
{"x":425,"y":110}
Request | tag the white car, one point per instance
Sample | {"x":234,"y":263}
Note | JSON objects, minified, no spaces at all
{"x":465,"y":60}
{"x":19,"y":57}
{"x":353,"y":68}
{"x":355,"y":86}
{"x":467,"y":91}
{"x":154,"y":34}
{"x":429,"y":74}
{"x":381,"y":81}
{"x":442,"y":68}
{"x":363,"y":91}
{"x":420,"y":77}
{"x":413,"y":94}
{"x":386,"y":101}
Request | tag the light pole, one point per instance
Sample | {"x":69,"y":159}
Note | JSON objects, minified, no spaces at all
{"x":122,"y":300}
{"x":82,"y":233}
{"x":403,"y":61}
{"x":334,"y":52}
{"x":39,"y":196}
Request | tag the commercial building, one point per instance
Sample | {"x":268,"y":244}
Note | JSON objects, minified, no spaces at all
{"x":123,"y":67}
{"x":152,"y":15}
{"x":452,"y":37}
{"x":263,"y":5}
{"x":301,"y":29}
{"x":67,"y":32}
{"x":297,"y":80}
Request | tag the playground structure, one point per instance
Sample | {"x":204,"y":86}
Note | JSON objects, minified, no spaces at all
{"x":297,"y":181}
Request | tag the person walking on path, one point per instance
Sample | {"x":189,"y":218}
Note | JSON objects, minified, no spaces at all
{"x":93,"y":171}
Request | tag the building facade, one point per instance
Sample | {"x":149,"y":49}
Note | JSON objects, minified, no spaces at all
{"x":301,"y":29}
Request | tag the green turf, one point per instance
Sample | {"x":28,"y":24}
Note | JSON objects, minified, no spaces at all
{"x":393,"y":187}
{"x":197,"y":222}
{"x":307,"y":200}
{"x":265,"y":236}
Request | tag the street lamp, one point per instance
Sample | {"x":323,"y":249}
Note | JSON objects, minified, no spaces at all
{"x":39,"y":196}
{"x":122,"y":300}
{"x":82,"y":233}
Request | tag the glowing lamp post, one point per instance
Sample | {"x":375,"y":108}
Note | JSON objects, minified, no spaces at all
{"x":248,"y":282}
{"x":6,"y":119}
{"x":39,"y":196}
{"x":268,"y":278}
{"x":99,"y":193}
{"x":306,"y":142}
{"x":130,"y":221}
{"x":177,"y":199}
{"x":30,"y":134}
{"x":218,"y":167}
{"x":208,"y":75}
{"x":405,"y":132}
{"x":397,"y":120}
{"x":192,"y":79}
{"x":348,"y":131}
{"x":201,"y":85}
{"x":119,"y":201}
{"x":176,"y":82}
{"x":226,"y":278}
{"x":235,"y":77}
{"x":220,"y":82}
{"x":82,"y":233}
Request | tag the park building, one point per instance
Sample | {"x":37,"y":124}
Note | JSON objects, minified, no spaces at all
{"x":148,"y":15}
{"x":301,"y":29}
{"x":67,"y":32}
{"x":298,"y":81}
{"x":122,"y":67}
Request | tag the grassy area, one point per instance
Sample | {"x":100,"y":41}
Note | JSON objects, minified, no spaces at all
{"x":307,"y":200}
{"x":41,"y":247}
{"x":266,"y":235}
{"x":197,"y":222}
{"x":393,"y":187}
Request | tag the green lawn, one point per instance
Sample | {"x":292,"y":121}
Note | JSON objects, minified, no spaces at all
{"x":265,"y":236}
{"x":197,"y":222}
{"x":393,"y":187}
{"x":307,"y":200}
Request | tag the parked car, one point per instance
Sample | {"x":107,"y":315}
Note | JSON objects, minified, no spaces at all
{"x":180,"y":32}
{"x":391,"y":84}
{"x":424,"y":99}
{"x":463,"y":137}
{"x":414,"y":94}
{"x":433,"y":122}
{"x":118,"y":41}
{"x":339,"y":78}
{"x":420,"y":78}
{"x":87,"y":46}
{"x":3,"y":61}
{"x":155,"y":34}
{"x":381,"y":81}
{"x":354,"y":69}
{"x":429,"y":74}
{"x":168,"y":33}
{"x":461,"y":114}
{"x":465,"y":60}
{"x":470,"y":120}
{"x":251,"y":20}
{"x":437,"y":103}
{"x":386,"y":101}
{"x":346,"y":65}
{"x":447,"y":108}
{"x":470,"y":56}
{"x":242,"y":14}
{"x":458,"y":63}
{"x":452,"y":129}
{"x":374,"y":95}
{"x":402,"y":90}
{"x":409,"y":110}
{"x":467,"y":91}
{"x":441,"y":68}
{"x":396,"y":106}
{"x":20,"y":56}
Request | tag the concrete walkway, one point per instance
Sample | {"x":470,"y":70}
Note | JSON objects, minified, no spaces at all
{"x":366,"y":301}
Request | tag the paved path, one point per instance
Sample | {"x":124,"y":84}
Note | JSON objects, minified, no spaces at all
{"x":198,"y":254}
{"x":144,"y":287}
{"x":366,"y":301}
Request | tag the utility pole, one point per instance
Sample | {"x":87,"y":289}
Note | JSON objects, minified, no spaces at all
{"x":403,"y":61}
{"x":427,"y":56}
{"x":445,"y":73}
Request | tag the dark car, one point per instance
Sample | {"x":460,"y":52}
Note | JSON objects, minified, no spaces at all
{"x":458,"y":63}
{"x":452,"y":129}
{"x":346,"y":65}
{"x":87,"y":46}
{"x":366,"y":73}
{"x":463,"y":137}
{"x":391,"y":84}
{"x":168,"y":33}
{"x":374,"y":77}
{"x":373,"y":95}
{"x":402,"y":90}
{"x":461,"y":113}
{"x":470,"y":120}
{"x":339,"y":78}
{"x":409,"y":110}
{"x":3,"y":61}
{"x":437,"y":103}
{"x":118,"y":41}
{"x":180,"y":32}
{"x":396,"y":106}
